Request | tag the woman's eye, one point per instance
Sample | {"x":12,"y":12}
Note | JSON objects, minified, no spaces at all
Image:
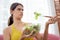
{"x":20,"y":9}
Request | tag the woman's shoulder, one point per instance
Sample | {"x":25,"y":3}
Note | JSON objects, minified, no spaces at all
{"x":7,"y":29}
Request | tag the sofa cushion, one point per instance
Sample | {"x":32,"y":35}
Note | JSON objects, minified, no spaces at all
{"x":50,"y":37}
{"x":1,"y":37}
{"x":53,"y":37}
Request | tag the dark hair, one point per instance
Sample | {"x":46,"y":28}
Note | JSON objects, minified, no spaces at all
{"x":13,"y":6}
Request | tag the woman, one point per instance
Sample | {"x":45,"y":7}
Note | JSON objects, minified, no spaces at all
{"x":15,"y":27}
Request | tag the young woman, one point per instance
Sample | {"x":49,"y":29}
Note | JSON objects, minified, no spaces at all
{"x":15,"y":27}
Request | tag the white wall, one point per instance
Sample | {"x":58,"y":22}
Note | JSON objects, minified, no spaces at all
{"x":45,"y":7}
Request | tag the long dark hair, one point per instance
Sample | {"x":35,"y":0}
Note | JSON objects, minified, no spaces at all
{"x":13,"y":6}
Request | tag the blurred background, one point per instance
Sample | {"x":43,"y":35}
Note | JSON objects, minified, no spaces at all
{"x":45,"y":7}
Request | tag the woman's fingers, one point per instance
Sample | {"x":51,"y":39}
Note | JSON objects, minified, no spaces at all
{"x":51,"y":21}
{"x":48,"y":16}
{"x":55,"y":17}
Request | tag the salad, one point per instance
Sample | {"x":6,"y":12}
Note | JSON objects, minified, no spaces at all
{"x":33,"y":28}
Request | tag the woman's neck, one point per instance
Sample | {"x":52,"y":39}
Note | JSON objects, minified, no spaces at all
{"x":17,"y":21}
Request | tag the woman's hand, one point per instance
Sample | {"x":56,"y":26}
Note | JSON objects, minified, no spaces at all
{"x":26,"y":36}
{"x":55,"y":18}
{"x":52,"y":20}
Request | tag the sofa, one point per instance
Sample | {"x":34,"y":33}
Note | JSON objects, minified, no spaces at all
{"x":1,"y":37}
{"x":53,"y":37}
{"x":50,"y":37}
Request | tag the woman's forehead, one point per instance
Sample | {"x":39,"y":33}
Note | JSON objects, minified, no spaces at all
{"x":19,"y":6}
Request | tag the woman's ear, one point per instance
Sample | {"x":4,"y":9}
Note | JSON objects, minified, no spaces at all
{"x":11,"y":11}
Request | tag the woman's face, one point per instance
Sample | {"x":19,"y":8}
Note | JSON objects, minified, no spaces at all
{"x":18,"y":12}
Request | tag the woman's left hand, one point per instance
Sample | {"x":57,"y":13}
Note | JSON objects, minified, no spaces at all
{"x":51,"y":21}
{"x":54,"y":19}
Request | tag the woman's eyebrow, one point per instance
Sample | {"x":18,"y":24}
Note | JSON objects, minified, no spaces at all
{"x":19,"y":8}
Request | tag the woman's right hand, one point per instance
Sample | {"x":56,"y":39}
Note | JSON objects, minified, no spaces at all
{"x":26,"y":36}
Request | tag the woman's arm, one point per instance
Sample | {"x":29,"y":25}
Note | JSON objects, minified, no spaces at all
{"x":6,"y":34}
{"x":38,"y":36}
{"x":46,"y":32}
{"x":50,"y":21}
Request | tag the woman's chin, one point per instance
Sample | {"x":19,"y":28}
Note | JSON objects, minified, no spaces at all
{"x":19,"y":18}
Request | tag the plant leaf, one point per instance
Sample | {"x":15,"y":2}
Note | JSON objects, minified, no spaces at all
{"x":37,"y":15}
